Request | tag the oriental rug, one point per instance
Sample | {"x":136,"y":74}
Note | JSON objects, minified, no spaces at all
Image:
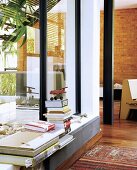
{"x":105,"y":157}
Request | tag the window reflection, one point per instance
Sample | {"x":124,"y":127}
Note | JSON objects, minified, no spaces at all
{"x":56,"y":51}
{"x":20,"y":69}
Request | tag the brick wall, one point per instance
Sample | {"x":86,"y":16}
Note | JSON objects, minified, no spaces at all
{"x":125,"y":45}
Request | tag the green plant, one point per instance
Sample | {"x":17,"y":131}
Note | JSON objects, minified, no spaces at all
{"x":8,"y":84}
{"x":15,"y":15}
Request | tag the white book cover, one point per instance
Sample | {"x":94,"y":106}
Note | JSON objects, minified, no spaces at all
{"x":52,"y":115}
{"x":30,"y":140}
{"x":55,"y":117}
{"x":56,"y":103}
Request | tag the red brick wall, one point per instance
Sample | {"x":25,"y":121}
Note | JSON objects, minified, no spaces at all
{"x":125,"y":45}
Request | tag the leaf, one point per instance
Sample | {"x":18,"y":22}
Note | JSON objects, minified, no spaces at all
{"x":24,"y":39}
{"x":21,"y":33}
{"x":15,"y":13}
{"x":3,"y":21}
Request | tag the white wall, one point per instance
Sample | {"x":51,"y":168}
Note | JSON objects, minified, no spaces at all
{"x":90,"y":56}
{"x":70,"y":53}
{"x":96,"y":55}
{"x":90,"y":48}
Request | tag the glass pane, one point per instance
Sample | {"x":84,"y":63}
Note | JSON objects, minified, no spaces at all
{"x":56,"y":50}
{"x":19,"y":56}
{"x":61,"y":49}
{"x":19,"y":61}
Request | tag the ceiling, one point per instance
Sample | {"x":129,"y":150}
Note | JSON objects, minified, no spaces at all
{"x":60,"y":7}
{"x":121,"y":4}
{"x":118,"y":4}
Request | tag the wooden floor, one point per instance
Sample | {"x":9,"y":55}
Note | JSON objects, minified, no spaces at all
{"x":121,"y":133}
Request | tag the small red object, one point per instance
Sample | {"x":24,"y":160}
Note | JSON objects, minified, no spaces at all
{"x":60,"y":91}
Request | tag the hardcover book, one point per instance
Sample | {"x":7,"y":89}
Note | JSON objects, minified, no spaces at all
{"x":42,"y":126}
{"x":60,"y":121}
{"x":56,"y":103}
{"x":29,"y":161}
{"x":57,"y":116}
{"x":59,"y":110}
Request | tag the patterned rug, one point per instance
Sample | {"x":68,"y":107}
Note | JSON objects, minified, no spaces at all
{"x":104,"y":157}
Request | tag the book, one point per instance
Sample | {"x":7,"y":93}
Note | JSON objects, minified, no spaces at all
{"x":57,"y":116}
{"x":24,"y":152}
{"x":56,"y":103}
{"x":42,"y":126}
{"x":59,"y":112}
{"x":29,"y":143}
{"x":59,"y":121}
{"x":62,"y":109}
{"x":29,"y":161}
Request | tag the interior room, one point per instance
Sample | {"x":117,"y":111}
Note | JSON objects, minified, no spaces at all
{"x":53,"y":85}
{"x":124,"y":40}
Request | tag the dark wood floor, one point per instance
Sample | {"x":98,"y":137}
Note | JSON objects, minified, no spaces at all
{"x":121,"y":133}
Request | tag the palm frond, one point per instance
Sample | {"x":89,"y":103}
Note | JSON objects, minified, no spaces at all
{"x":15,"y":13}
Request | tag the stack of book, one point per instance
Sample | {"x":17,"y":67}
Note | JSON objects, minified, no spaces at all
{"x":58,"y":112}
{"x":29,"y":148}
